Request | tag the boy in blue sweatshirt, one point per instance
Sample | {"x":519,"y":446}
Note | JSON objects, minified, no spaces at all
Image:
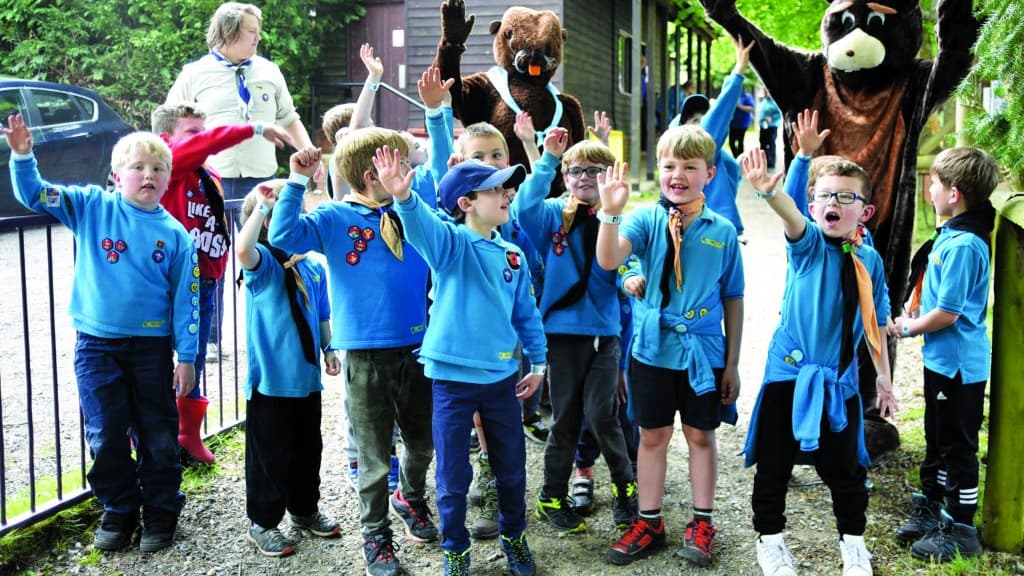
{"x":483,"y":307}
{"x":580,"y":307}
{"x":681,"y":361}
{"x":948,"y":301}
{"x":808,"y":408}
{"x":378,"y":291}
{"x":127,"y":381}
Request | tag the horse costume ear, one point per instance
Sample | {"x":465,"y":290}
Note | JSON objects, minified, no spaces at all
{"x":495,"y":25}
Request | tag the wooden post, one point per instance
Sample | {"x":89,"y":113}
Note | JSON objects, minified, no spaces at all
{"x":1003,"y":512}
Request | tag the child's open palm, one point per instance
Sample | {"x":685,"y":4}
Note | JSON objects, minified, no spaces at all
{"x":613,"y":186}
{"x":742,"y":54}
{"x":556,"y":141}
{"x":389,"y":171}
{"x":432,"y":90}
{"x":17,"y":134}
{"x":805,"y":129}
{"x":755,"y":170}
{"x":523,"y":127}
{"x":374,"y":67}
{"x":602,"y":126}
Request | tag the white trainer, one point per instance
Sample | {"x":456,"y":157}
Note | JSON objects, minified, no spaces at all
{"x":856,"y":558}
{"x":773,"y":556}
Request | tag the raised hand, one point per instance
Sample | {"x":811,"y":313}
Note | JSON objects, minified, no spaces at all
{"x":455,"y":159}
{"x":556,"y":141}
{"x":805,"y":129}
{"x":374,"y":67}
{"x":305,"y":161}
{"x":432,"y":90}
{"x":17,"y":134}
{"x":523,"y":127}
{"x":267,"y":195}
{"x":602,"y":126}
{"x":277,"y":136}
{"x":613,"y":186}
{"x":755,"y":170}
{"x":455,"y":27}
{"x":742,"y":54}
{"x":390,"y":166}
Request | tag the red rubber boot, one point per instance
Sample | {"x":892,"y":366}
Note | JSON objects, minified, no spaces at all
{"x":190,"y":418}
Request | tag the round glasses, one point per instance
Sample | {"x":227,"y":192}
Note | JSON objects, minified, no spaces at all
{"x":579,"y":171}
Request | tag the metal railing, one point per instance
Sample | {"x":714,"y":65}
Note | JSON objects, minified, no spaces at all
{"x":43,"y":454}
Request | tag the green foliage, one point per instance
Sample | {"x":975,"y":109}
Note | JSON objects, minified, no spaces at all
{"x":132,"y":50}
{"x":21,"y":548}
{"x":999,"y":58}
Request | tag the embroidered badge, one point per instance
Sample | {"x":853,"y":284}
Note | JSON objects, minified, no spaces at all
{"x":52,"y":198}
{"x":195,"y":300}
{"x":107,"y":244}
{"x":193,"y":287}
{"x":558,"y":249}
{"x":266,"y":97}
{"x":507,"y":275}
{"x":353,"y":232}
{"x":623,"y":269}
{"x":702,"y":312}
{"x":368,"y":234}
{"x":152,"y":323}
{"x":711,"y":242}
{"x":504,"y":355}
{"x":120,"y":246}
{"x":512,"y":257}
{"x":113,"y":257}
{"x":689,"y":314}
{"x":159,"y":243}
{"x":195,"y":271}
{"x":417,"y":328}
{"x":352,"y":258}
{"x":195,"y":258}
{"x":193,"y":329}
{"x":158,"y":256}
{"x":360,"y":245}
{"x":195,"y":314}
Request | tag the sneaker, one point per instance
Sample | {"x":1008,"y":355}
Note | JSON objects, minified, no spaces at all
{"x":269,"y":541}
{"x":624,"y":507}
{"x":535,"y":429}
{"x":582,"y":489}
{"x":484,"y":475}
{"x":559,"y":514}
{"x":353,"y":476}
{"x":856,"y":558}
{"x":379,"y":553}
{"x":948,"y":540}
{"x":415,"y":516}
{"x":393,"y":475}
{"x":774,"y":557}
{"x":698,"y":542}
{"x":486,"y":524}
{"x":456,"y":564}
{"x":517,"y":553}
{"x":158,"y":528}
{"x":640,"y":540}
{"x":317,"y":523}
{"x":115,"y":530}
{"x":474,"y":442}
{"x":924,"y":516}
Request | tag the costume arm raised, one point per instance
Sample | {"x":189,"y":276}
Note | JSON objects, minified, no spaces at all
{"x":956,"y":30}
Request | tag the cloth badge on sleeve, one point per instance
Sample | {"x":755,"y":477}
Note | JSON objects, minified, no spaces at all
{"x":52,"y":198}
{"x":113,"y":257}
{"x":159,"y":243}
{"x":107,"y":244}
{"x":368,"y":234}
{"x":120,"y":246}
{"x":507,"y":275}
{"x":353,"y":232}
{"x":512,"y":257}
{"x":352,"y":258}
{"x":158,"y":256}
{"x":360,"y":245}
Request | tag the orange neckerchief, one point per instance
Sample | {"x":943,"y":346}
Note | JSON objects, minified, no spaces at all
{"x":300,"y":284}
{"x":676,"y":214}
{"x":388,"y":227}
{"x":865,"y":296}
{"x":569,"y":211}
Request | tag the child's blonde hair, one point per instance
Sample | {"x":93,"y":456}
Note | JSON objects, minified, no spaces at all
{"x":165,"y":117}
{"x":686,"y":142}
{"x":146,"y":141}
{"x":336,"y":118}
{"x":253,"y":198}
{"x":226,"y":23}
{"x":972,"y":170}
{"x":479,"y":130}
{"x":355,"y":154}
{"x":816,"y":164}
{"x":590,"y":151}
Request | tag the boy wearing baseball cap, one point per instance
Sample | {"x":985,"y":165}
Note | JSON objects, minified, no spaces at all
{"x":483,"y":306}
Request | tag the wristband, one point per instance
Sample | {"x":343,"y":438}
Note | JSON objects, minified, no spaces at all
{"x":263,"y":209}
{"x":300,"y":179}
{"x":328,"y":348}
{"x":538,"y":369}
{"x":257,"y":128}
{"x":606,"y":218}
{"x":371,"y":86}
{"x":765,"y":195}
{"x":906,"y":330}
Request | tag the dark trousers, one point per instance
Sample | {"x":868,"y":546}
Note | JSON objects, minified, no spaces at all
{"x":588,"y":450}
{"x":583,"y":380}
{"x":454,"y":404}
{"x":952,"y":417}
{"x":736,"y":136}
{"x":835,"y":460}
{"x":124,"y":390}
{"x":282,"y":457}
{"x":767,"y":137}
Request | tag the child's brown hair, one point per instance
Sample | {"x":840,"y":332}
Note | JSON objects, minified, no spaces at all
{"x":165,"y":117}
{"x":971,"y":170}
{"x":355,"y":154}
{"x":336,"y":118}
{"x":587,"y":151}
{"x":845,"y":168}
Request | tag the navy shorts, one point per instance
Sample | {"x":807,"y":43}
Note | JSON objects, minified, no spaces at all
{"x":658,"y":393}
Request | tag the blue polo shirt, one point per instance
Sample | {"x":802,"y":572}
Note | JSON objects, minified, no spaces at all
{"x":712,"y":272}
{"x":957,"y":281}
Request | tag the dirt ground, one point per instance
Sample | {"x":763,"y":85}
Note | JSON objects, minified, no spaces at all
{"x":211,"y":534}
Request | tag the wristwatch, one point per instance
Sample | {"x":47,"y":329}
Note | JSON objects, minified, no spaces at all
{"x":606,"y":218}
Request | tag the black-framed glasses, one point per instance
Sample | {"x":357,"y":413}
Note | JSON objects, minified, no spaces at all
{"x":842,"y":197}
{"x":579,"y":171}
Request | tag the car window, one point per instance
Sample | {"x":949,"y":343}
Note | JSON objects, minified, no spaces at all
{"x":10,"y":103}
{"x":88,"y":106}
{"x":58,"y":108}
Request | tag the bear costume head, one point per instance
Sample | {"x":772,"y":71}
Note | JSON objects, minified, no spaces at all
{"x":868,"y":43}
{"x":528,"y":43}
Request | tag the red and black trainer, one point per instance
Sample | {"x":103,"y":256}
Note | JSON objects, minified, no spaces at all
{"x":698,"y":541}
{"x":639,"y":540}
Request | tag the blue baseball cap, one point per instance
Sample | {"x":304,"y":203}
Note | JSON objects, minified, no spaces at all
{"x":473,"y":175}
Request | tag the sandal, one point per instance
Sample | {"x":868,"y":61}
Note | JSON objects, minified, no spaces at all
{"x":583,"y":495}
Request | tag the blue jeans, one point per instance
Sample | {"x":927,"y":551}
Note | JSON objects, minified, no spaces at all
{"x":124,"y":389}
{"x":454,"y":404}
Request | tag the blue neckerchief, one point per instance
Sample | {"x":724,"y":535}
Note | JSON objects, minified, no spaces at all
{"x":239,"y":69}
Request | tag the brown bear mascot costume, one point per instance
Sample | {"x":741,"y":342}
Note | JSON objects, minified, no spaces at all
{"x":870,"y":88}
{"x":528,"y":51}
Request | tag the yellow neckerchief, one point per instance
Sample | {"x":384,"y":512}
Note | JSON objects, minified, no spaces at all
{"x":865,"y":295}
{"x":569,"y":211}
{"x":676,"y":214}
{"x":299,"y":283}
{"x":388,"y":227}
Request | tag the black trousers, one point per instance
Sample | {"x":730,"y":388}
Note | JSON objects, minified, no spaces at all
{"x":835,"y":460}
{"x":282,"y":457}
{"x":952,"y":417}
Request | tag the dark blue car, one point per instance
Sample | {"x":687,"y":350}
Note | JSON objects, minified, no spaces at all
{"x":73,"y":132}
